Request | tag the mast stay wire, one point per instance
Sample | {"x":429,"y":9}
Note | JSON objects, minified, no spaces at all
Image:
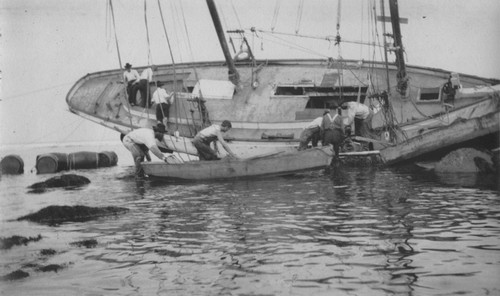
{"x":274,"y":21}
{"x":298,"y":20}
{"x":196,"y":74}
{"x":197,"y":78}
{"x":110,"y":5}
{"x":191,"y":127}
{"x":340,"y":69}
{"x":289,"y":44}
{"x":176,"y":101}
{"x":150,"y":62}
{"x":390,"y":119}
{"x":171,"y":57}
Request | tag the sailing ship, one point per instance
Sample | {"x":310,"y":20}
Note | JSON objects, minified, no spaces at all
{"x":269,"y":102}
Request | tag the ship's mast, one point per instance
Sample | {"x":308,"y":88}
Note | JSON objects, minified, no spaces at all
{"x":234,"y":76}
{"x":399,"y":50}
{"x":386,"y":59}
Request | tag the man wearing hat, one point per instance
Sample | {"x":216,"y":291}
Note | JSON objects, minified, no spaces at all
{"x":140,"y":141}
{"x":131,"y":78}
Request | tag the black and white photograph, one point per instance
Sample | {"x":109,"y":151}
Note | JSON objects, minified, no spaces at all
{"x":249,"y":147}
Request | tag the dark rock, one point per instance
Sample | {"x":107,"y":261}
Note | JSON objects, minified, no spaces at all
{"x":64,"y":181}
{"x":89,"y":243}
{"x":462,"y":161}
{"x":16,"y":240}
{"x":484,"y":166}
{"x":51,"y":267}
{"x":15,"y":275}
{"x":59,"y":214}
{"x":47,"y":252}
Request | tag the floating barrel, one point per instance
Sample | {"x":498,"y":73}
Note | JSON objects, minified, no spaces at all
{"x":107,"y":159}
{"x":12,"y":165}
{"x":51,"y":163}
{"x":83,"y":160}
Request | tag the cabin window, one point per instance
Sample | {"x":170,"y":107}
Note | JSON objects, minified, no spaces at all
{"x":427,"y":95}
{"x":290,"y":90}
{"x":327,"y":97}
{"x":323,"y":97}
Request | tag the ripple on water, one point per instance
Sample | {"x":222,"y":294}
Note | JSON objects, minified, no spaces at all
{"x":357,"y":232}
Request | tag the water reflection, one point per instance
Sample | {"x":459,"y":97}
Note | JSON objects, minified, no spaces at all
{"x":348,"y":232}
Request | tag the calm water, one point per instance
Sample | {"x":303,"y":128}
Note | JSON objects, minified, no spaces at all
{"x":354,"y":232}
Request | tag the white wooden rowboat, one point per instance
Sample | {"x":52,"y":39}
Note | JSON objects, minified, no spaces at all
{"x":280,"y":163}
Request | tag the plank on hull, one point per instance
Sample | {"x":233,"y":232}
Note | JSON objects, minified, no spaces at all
{"x":456,"y":133}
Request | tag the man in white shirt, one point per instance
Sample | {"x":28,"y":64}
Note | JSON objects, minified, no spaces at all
{"x":163,"y":101}
{"x":361,"y":115}
{"x":131,"y":78}
{"x":140,"y":141}
{"x":311,"y":133}
{"x":143,"y":86}
{"x":211,"y":134}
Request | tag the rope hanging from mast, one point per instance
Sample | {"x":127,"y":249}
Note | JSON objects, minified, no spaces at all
{"x":340,"y":69}
{"x":199,"y":103}
{"x":299,"y":16}
{"x":171,"y":57}
{"x":275,"y":15}
{"x":150,"y":59}
{"x":110,"y":3}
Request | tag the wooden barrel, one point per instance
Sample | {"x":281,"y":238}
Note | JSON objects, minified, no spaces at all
{"x":83,"y":160}
{"x":12,"y":165}
{"x":51,"y":163}
{"x":107,"y":159}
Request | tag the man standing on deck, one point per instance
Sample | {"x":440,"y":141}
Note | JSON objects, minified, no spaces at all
{"x":211,"y":134}
{"x":139,"y":141}
{"x":163,"y":101}
{"x":143,"y":86}
{"x":131,"y":78}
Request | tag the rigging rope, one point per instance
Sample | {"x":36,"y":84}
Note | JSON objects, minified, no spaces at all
{"x":150,"y":59}
{"x":175,"y":87}
{"x":195,"y":74}
{"x":236,"y":14}
{"x":120,"y":62}
{"x":146,"y":109}
{"x":275,"y":15}
{"x":340,"y":69}
{"x":116,"y":37}
{"x":299,"y":16}
{"x":170,"y":51}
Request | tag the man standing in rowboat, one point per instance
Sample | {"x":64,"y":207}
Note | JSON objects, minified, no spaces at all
{"x":211,"y":134}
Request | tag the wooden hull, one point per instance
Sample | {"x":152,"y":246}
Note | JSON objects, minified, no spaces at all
{"x":269,"y":116}
{"x":275,"y":164}
{"x":460,"y":131}
{"x":290,"y":93}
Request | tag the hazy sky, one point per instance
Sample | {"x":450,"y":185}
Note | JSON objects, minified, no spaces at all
{"x":46,"y":46}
